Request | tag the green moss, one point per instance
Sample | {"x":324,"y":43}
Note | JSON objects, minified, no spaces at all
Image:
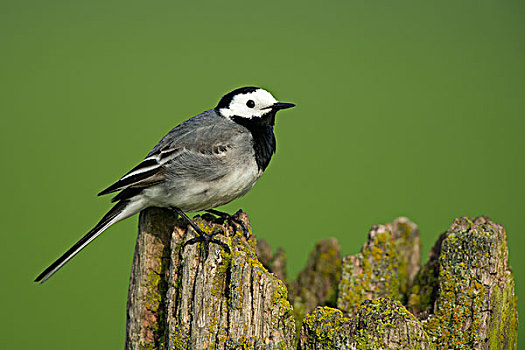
{"x":378,"y":319}
{"x":504,"y":334}
{"x":206,"y":226}
{"x":147,"y":347}
{"x":280,"y":298}
{"x":156,"y":287}
{"x":299,"y":311}
{"x":329,"y":269}
{"x":226,"y":262}
{"x":322,"y":325}
{"x":250,"y":343}
{"x":457,"y":302}
{"x":423,"y":291}
{"x":178,"y":341}
{"x":404,"y":245}
{"x":216,"y":289}
{"x":376,"y":276}
{"x":460,"y":317}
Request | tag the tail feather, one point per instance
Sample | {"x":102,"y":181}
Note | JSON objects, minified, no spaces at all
{"x":119,"y":212}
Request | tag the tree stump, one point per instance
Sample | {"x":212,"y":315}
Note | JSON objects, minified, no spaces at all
{"x":378,"y":324}
{"x":178,"y":300}
{"x":380,"y":298}
{"x":465,"y":297}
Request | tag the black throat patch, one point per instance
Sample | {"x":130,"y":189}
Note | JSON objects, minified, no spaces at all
{"x":263,"y":137}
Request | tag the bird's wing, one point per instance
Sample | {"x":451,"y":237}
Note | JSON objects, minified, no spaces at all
{"x":185,"y":151}
{"x":147,"y":173}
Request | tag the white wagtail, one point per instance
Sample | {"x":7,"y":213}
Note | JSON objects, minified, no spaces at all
{"x":205,"y":162}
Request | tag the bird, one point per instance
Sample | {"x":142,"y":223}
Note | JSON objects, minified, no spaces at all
{"x":205,"y":162}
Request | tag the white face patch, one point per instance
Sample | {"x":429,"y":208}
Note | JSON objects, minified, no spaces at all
{"x":250,"y":105}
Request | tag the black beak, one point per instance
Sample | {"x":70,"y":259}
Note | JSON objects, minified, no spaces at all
{"x":282,"y":105}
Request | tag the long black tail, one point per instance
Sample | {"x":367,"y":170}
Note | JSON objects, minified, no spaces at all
{"x":117,"y":213}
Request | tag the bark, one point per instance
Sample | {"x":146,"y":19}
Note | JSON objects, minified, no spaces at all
{"x":385,"y":267}
{"x":371,"y":274}
{"x":224,"y":302}
{"x":380,"y":298}
{"x":405,"y":236}
{"x":467,"y":293}
{"x":148,"y":282}
{"x":378,"y":324}
{"x":463,"y":296}
{"x":317,"y":282}
{"x":275,"y":263}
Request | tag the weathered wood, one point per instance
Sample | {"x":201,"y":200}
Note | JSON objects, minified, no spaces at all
{"x":378,"y":324}
{"x":317,"y":283}
{"x":405,"y":236}
{"x":275,"y":263}
{"x":148,"y":282}
{"x":226,"y":301}
{"x":384,"y":268}
{"x":371,"y":274}
{"x":462,"y":298}
{"x":467,"y":294}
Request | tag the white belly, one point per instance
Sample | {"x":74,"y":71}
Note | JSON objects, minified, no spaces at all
{"x":192,"y":195}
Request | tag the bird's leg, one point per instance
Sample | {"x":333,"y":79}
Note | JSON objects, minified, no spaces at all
{"x":203,"y":237}
{"x":232,"y":221}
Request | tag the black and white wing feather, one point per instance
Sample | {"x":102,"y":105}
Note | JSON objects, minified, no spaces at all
{"x":184,"y":151}
{"x":147,"y":173}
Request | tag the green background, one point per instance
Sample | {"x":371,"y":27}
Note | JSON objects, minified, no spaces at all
{"x":408,"y":108}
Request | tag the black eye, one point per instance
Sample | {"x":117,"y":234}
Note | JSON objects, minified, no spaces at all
{"x":250,"y":104}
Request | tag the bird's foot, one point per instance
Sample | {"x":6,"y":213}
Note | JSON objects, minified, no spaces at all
{"x":232,"y":220}
{"x":206,"y":239}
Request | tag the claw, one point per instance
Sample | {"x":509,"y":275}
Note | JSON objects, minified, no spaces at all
{"x":203,"y":237}
{"x":206,"y":239}
{"x":232,"y":220}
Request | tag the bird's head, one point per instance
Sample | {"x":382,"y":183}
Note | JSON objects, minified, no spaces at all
{"x":249,"y":103}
